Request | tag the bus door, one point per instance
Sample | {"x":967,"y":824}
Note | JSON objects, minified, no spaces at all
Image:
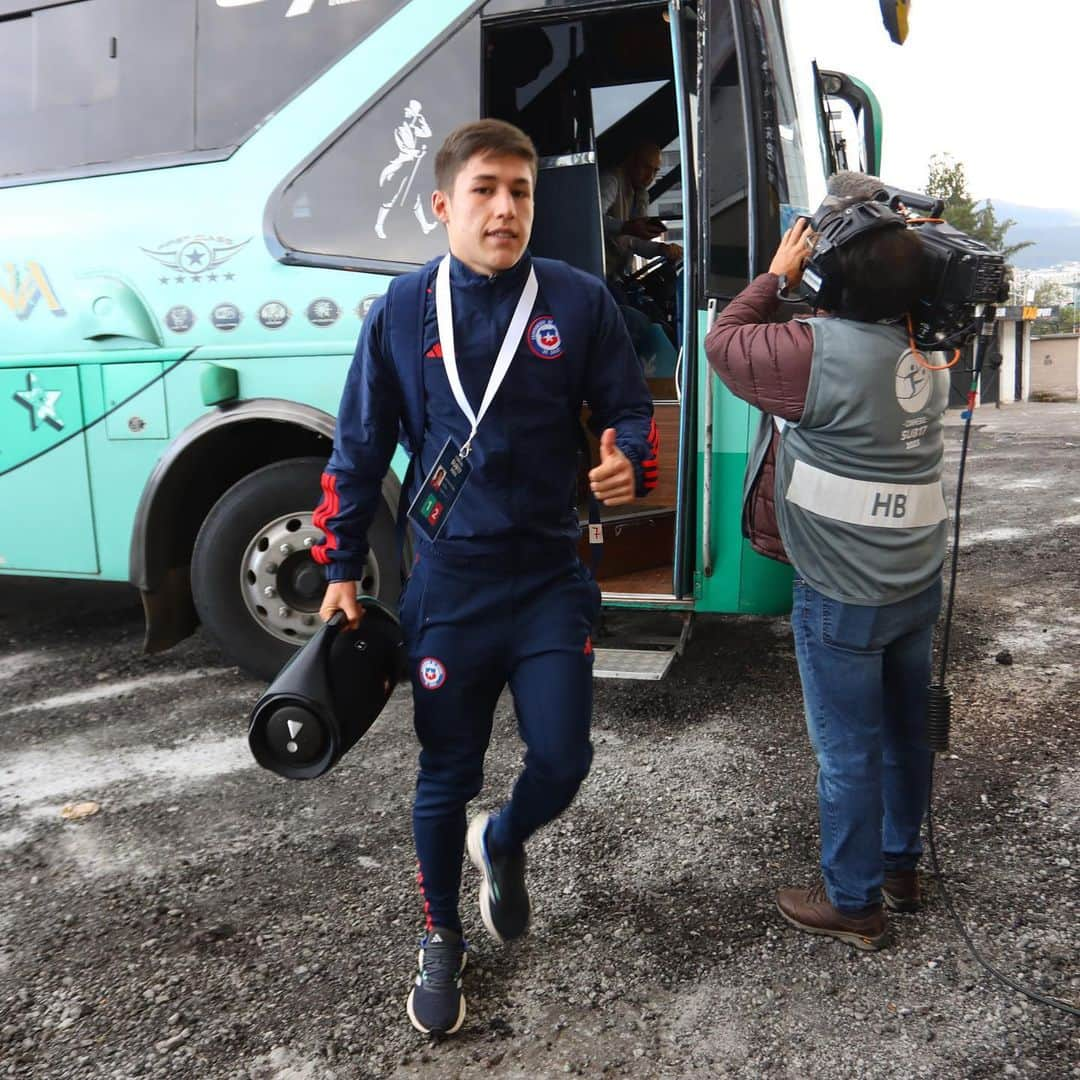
{"x":47,"y":524}
{"x":590,"y":87}
{"x":754,"y":186}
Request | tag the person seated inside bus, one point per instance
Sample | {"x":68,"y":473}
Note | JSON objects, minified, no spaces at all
{"x":629,"y":231}
{"x":624,"y":202}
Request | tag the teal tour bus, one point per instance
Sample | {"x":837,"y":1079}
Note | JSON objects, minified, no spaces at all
{"x":201,"y":199}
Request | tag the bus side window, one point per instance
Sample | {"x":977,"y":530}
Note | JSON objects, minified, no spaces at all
{"x":726,"y":182}
{"x":95,"y":81}
{"x":253,"y":58}
{"x":91,"y":84}
{"x":364,"y":199}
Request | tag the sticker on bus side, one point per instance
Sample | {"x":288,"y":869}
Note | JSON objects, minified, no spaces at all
{"x":25,"y":287}
{"x":196,"y":256}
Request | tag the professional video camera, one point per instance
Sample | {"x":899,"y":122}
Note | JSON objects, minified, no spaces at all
{"x":960,"y":272}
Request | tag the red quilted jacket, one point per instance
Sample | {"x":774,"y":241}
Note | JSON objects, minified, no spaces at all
{"x":767,"y":364}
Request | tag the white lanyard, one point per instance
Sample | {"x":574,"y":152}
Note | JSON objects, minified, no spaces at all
{"x":444,"y":314}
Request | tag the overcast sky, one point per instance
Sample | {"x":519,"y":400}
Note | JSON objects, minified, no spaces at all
{"x":994,"y":84}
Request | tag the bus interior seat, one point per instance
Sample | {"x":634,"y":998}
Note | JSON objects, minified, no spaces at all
{"x":566,"y":218}
{"x":657,"y":354}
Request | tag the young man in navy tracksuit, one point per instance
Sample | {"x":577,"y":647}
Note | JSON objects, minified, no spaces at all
{"x":483,"y":360}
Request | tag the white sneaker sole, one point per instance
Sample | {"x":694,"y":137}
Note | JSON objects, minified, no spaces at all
{"x":409,"y":1004}
{"x":474,"y":842}
{"x":427,"y":1031}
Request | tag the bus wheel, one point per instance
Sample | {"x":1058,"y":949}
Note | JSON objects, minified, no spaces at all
{"x":256,"y":587}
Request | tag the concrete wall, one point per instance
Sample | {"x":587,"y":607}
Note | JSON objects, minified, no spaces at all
{"x":1055,"y":367}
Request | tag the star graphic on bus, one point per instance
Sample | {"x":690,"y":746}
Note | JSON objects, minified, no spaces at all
{"x":195,"y":254}
{"x":40,"y":402}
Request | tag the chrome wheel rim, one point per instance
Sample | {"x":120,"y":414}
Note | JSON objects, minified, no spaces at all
{"x":281,"y":583}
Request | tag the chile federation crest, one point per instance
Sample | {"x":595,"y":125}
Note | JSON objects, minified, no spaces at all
{"x":432,"y":673}
{"x":544,"y":338}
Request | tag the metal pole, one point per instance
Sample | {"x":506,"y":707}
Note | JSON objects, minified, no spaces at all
{"x":707,"y":444}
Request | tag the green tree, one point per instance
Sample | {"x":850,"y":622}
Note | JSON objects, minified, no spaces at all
{"x":1049,"y":294}
{"x":948,"y":181}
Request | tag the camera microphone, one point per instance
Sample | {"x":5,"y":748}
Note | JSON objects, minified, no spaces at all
{"x":928,"y":205}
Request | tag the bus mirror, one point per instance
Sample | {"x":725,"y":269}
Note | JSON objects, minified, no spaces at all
{"x":109,"y":312}
{"x":850,"y":117}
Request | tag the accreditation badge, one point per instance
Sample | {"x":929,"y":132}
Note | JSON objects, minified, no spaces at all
{"x":440,"y":490}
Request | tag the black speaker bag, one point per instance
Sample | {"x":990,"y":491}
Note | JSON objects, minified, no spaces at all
{"x":328,"y":695}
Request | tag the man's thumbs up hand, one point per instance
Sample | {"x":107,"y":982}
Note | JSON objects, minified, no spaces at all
{"x":612,"y":481}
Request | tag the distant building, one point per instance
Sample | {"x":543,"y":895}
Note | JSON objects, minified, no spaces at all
{"x":1055,"y":368}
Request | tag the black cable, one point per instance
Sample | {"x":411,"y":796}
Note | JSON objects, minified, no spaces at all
{"x":977,"y":371}
{"x":1007,"y":980}
{"x":938,"y":716}
{"x":938,"y":344}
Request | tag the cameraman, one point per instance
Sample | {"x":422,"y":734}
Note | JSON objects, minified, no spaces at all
{"x":845,"y":485}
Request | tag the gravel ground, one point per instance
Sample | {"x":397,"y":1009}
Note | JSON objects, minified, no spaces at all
{"x":212,"y":921}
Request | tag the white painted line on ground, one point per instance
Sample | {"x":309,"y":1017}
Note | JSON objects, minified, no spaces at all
{"x":12,"y":665}
{"x":10,"y":838}
{"x":78,"y":768}
{"x":117,"y":689}
{"x":991,"y":536}
{"x":1025,"y":483}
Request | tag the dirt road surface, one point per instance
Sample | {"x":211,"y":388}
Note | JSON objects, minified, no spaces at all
{"x":212,"y":921}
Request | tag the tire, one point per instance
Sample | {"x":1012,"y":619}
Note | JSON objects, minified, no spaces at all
{"x":256,"y":588}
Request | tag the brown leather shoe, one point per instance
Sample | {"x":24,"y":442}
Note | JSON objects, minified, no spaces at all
{"x":810,"y":910}
{"x":901,"y":890}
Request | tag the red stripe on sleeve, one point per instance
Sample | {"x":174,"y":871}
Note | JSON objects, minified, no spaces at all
{"x":327,"y":509}
{"x":650,"y":467}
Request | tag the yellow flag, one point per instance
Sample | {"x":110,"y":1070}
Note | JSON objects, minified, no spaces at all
{"x":894,"y":14}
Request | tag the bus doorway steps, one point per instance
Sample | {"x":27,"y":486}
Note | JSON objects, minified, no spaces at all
{"x":642,"y":645}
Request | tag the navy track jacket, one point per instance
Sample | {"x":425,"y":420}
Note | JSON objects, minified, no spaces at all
{"x":523,"y":483}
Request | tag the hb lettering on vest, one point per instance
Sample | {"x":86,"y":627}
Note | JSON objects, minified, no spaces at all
{"x":894,"y":504}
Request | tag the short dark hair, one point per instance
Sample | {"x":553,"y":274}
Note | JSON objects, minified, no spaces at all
{"x":496,"y":138}
{"x":881,"y":275}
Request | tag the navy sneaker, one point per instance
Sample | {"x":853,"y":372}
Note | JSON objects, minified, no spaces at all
{"x":436,"y":1004}
{"x":504,"y":900}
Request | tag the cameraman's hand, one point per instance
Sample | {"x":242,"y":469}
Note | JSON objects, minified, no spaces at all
{"x":791,"y":255}
{"x":341,"y":596}
{"x":673,"y":252}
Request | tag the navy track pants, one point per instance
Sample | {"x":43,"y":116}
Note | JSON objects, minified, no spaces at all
{"x":474,"y":625}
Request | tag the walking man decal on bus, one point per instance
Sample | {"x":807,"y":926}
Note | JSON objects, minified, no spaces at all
{"x":407,"y":135}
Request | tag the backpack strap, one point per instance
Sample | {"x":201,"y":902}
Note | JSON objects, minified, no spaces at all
{"x":596,"y":526}
{"x":406,"y":306}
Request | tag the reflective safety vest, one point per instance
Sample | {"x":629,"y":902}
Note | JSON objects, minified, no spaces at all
{"x":858,"y":492}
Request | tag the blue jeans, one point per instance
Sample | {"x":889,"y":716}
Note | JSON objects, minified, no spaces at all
{"x":864,"y":674}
